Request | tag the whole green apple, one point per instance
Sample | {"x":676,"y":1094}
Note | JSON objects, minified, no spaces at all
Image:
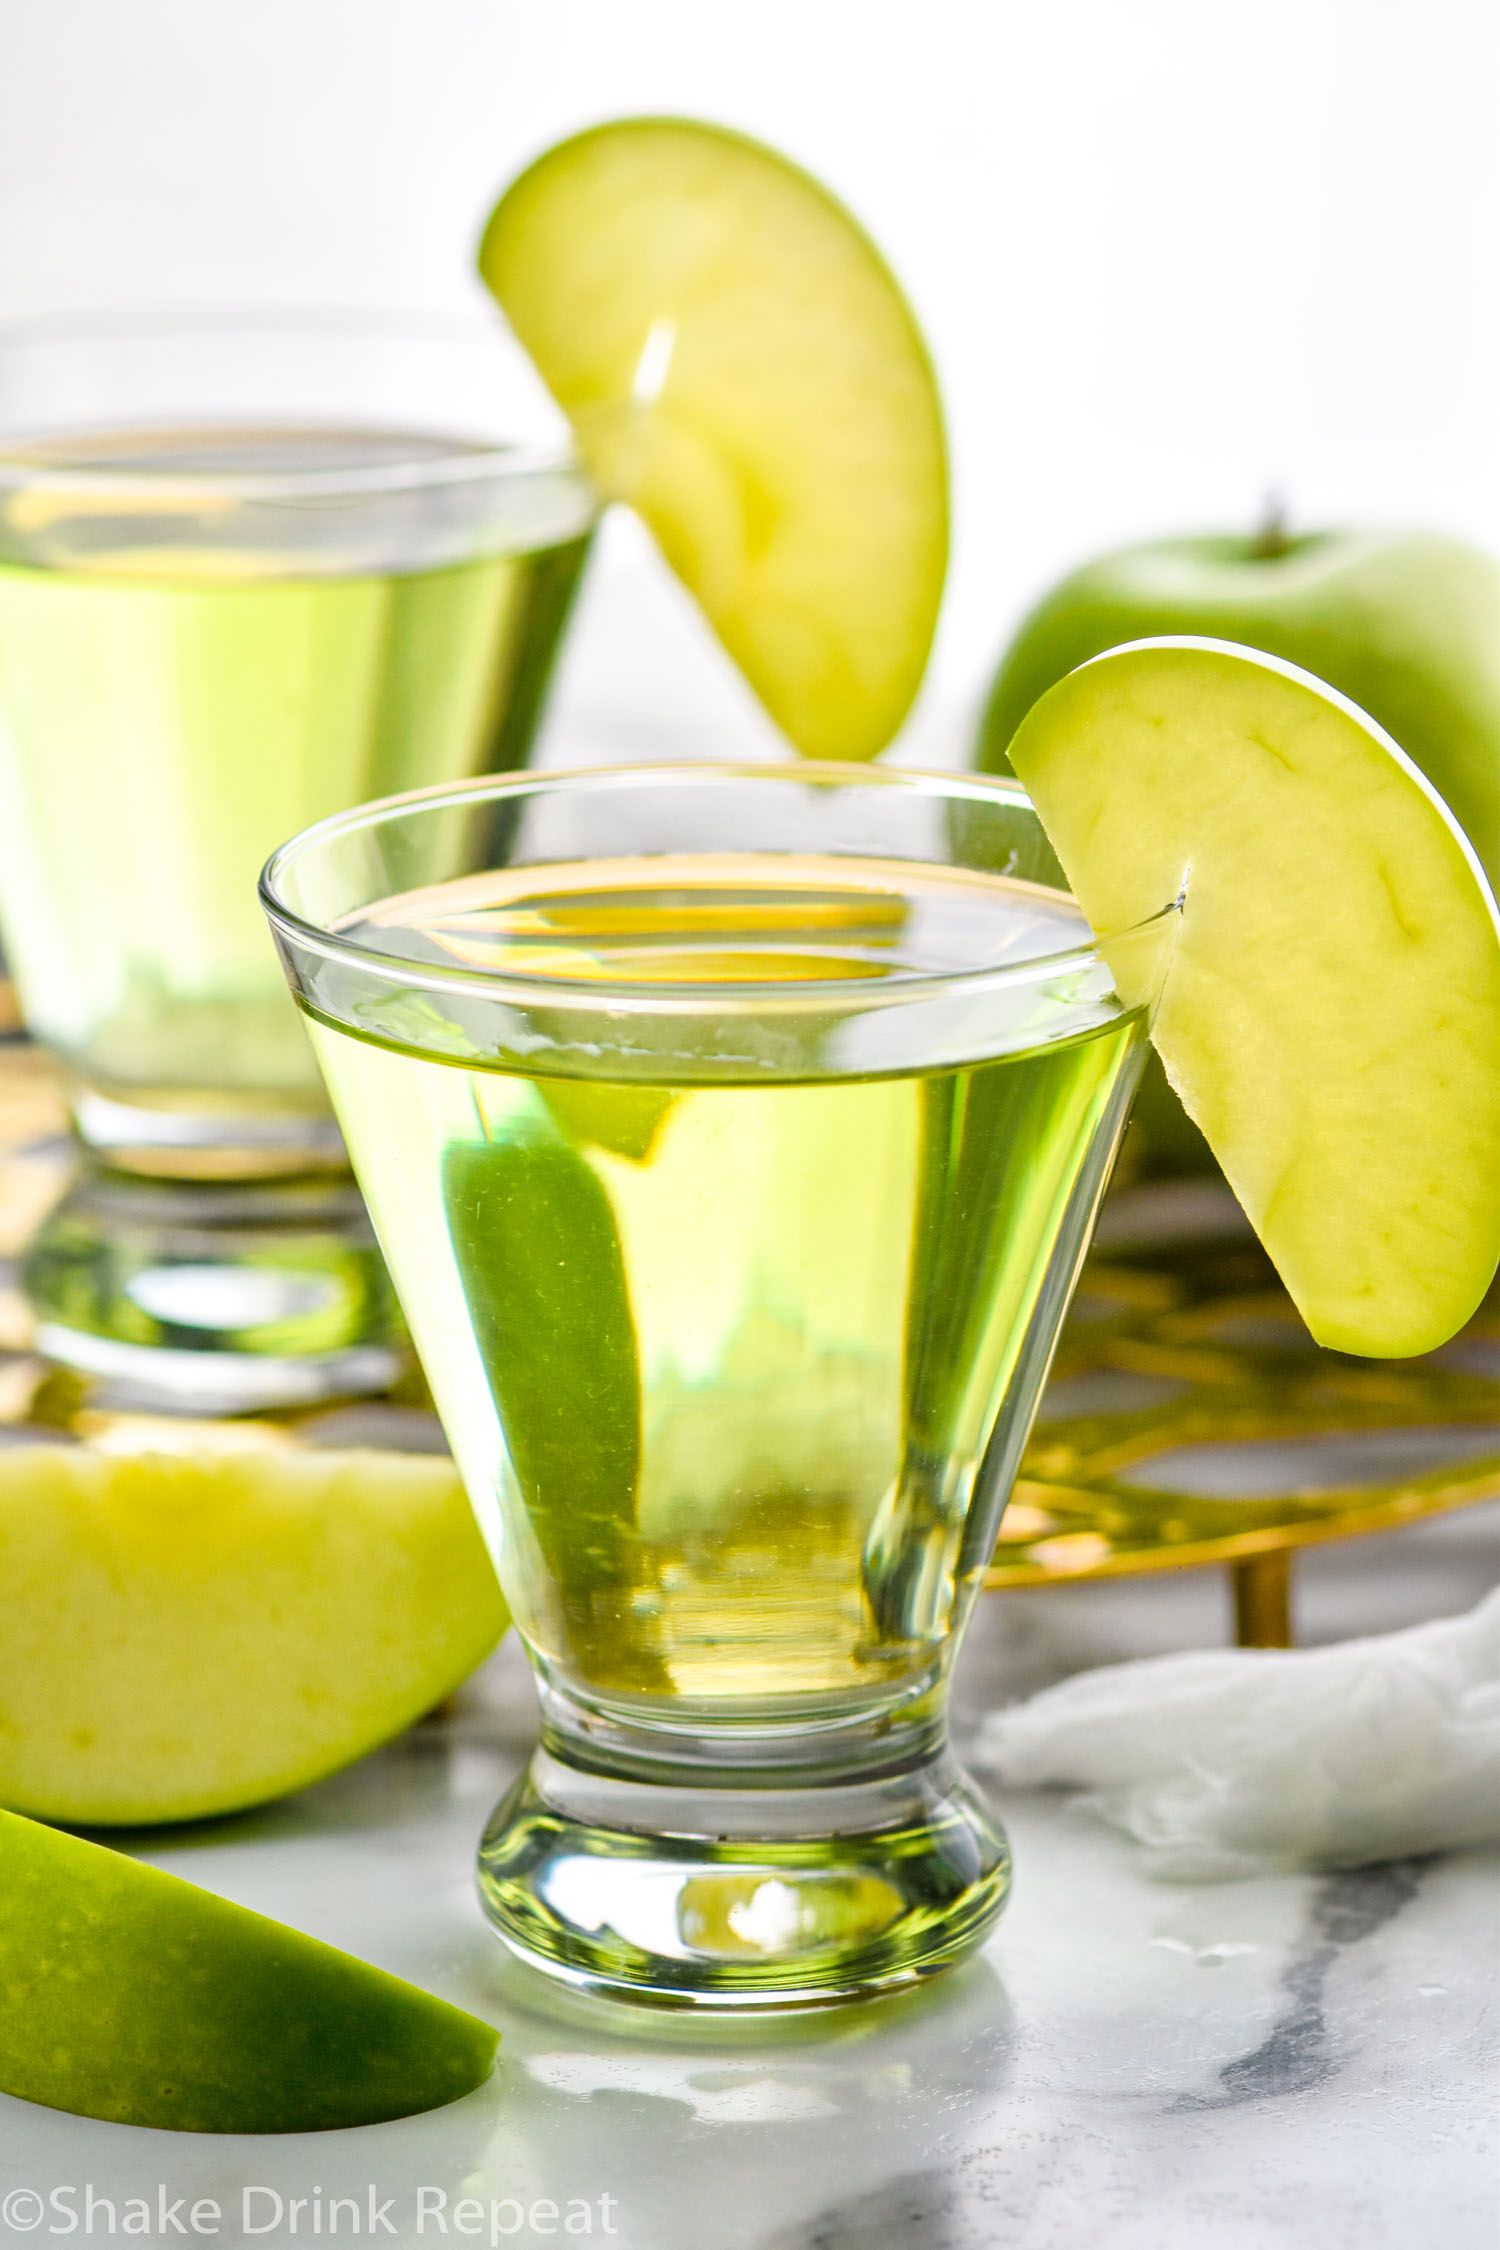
{"x":1406,"y":624}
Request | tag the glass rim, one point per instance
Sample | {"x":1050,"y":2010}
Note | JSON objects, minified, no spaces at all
{"x":685,"y":995}
{"x":478,"y":463}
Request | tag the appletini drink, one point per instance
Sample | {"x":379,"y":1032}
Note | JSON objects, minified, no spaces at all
{"x":250,"y":572}
{"x":252,"y":569}
{"x":733,"y":1136}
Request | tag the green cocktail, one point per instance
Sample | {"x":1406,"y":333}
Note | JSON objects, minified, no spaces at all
{"x":170,"y":712}
{"x":255,"y":572}
{"x":733,"y":1137}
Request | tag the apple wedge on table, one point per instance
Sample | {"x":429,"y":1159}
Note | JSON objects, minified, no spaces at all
{"x":189,"y":1633}
{"x":137,"y":1998}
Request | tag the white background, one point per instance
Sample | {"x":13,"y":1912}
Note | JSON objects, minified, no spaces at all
{"x":1169,"y":253}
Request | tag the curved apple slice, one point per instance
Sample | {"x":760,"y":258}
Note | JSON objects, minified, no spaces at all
{"x":739,"y":365}
{"x":1331,"y":1015}
{"x":188,"y":1634}
{"x":133,"y":1996}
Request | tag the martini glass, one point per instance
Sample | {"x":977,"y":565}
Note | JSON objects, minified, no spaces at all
{"x":734,"y":1136}
{"x":253,"y":568}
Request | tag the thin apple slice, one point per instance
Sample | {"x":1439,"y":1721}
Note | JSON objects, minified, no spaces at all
{"x":538,"y":1252}
{"x":132,"y":1996}
{"x":739,"y":365}
{"x":188,"y":1634}
{"x":1331,"y":1014}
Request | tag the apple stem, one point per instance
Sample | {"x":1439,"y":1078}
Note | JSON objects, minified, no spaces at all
{"x":1271,"y":537}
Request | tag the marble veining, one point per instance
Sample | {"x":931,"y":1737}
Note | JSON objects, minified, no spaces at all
{"x":1295,"y":2054}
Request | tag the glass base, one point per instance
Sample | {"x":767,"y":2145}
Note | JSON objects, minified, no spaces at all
{"x":703,"y":1892}
{"x":146,"y":1379}
{"x":214,"y":1300}
{"x":184,"y":1139}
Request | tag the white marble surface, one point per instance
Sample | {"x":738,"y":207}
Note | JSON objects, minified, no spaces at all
{"x":1283,"y":2064}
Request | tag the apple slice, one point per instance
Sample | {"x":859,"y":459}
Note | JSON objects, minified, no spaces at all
{"x":538,"y":1252}
{"x":1331,"y":1014}
{"x":132,"y":1996}
{"x":182,"y":1635}
{"x":739,"y":365}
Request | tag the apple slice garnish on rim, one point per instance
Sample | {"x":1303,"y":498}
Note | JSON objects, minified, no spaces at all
{"x":740,"y":367}
{"x":1331,"y":1014}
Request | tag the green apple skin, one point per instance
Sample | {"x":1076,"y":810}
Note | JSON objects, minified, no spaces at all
{"x":138,"y":1998}
{"x":1406,"y":624}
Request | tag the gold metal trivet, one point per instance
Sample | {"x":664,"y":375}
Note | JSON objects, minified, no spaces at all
{"x":1190,"y":1419}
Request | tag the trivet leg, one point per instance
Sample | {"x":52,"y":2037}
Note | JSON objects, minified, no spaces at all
{"x":1263,"y":1600}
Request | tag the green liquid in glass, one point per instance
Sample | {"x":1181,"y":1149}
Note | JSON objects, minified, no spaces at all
{"x":183,"y":684}
{"x":721,"y":1345}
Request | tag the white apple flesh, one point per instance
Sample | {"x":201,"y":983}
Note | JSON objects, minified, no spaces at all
{"x":184,"y":1635}
{"x":1331,"y":1014}
{"x":740,"y":367}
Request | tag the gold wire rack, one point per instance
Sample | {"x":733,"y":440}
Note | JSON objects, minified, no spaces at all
{"x":1192,"y":1420}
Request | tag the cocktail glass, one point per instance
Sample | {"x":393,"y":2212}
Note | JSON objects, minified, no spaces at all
{"x":253,"y":568}
{"x":734,"y":1136}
